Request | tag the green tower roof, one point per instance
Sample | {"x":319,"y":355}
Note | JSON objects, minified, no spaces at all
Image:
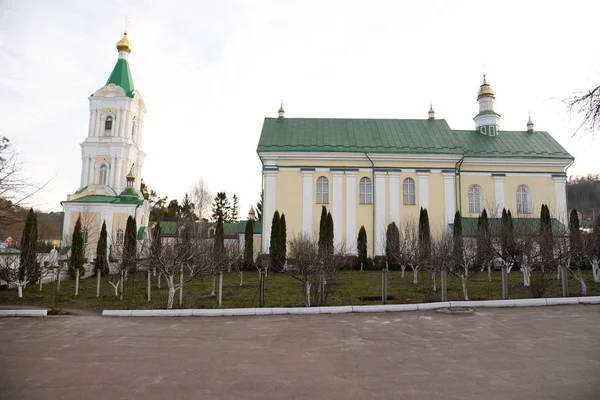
{"x":121,"y":76}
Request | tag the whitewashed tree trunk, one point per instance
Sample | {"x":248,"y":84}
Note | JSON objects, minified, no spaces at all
{"x":434,"y":282}
{"x":582,"y":283}
{"x":361,"y":266}
{"x":596,"y":269}
{"x":241,"y":278}
{"x":558,"y":274}
{"x":415,"y":274}
{"x":159,"y":279}
{"x":307,"y":287}
{"x":464,"y":287}
{"x":510,"y":265}
{"x":402,"y":268}
{"x":115,"y":286}
{"x":214,"y":285}
{"x":19,"y":290}
{"x":489,"y":269}
{"x":526,"y":275}
{"x":171,"y":297}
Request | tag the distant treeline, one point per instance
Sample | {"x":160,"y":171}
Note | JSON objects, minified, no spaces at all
{"x":583,"y":193}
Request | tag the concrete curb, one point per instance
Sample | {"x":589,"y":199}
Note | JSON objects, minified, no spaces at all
{"x":220,"y":312}
{"x":23,"y":313}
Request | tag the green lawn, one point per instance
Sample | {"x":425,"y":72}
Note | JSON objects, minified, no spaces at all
{"x":283,"y":291}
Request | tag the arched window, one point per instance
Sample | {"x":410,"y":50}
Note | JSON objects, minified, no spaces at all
{"x":408,"y":191}
{"x":84,"y":235}
{"x":120,"y":237}
{"x":366,"y":191}
{"x":523,"y":200}
{"x":322,"y":190}
{"x":102,"y":176}
{"x":108,"y":126}
{"x":475,"y":197}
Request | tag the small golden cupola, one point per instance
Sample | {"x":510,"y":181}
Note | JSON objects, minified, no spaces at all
{"x":281,"y":112}
{"x":130,"y":177}
{"x":123,"y":44}
{"x":530,"y":125}
{"x":485,"y":89}
{"x":431,"y":112}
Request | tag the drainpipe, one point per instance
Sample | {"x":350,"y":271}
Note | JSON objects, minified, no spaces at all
{"x":458,"y":190}
{"x":372,"y":205}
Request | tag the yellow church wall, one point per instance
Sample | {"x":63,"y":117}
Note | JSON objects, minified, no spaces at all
{"x":542,"y":192}
{"x":364,"y":212}
{"x":316,"y":215}
{"x":288,"y":200}
{"x":409,"y":212}
{"x":119,"y":221}
{"x":436,"y":202}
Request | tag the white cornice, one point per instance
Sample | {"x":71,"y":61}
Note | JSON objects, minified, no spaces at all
{"x":517,"y":162}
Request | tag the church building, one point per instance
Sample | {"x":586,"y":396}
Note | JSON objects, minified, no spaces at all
{"x":371,"y":172}
{"x":112,"y":161}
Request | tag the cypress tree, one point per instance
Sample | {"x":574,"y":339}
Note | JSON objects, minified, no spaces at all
{"x":457,"y":238}
{"x":77,"y":250}
{"x":28,"y":266}
{"x":129,"y":261}
{"x":323,"y":227}
{"x":156,"y":247}
{"x":361,"y":243}
{"x":424,"y":234}
{"x":274,"y":251}
{"x":392,"y":244}
{"x":101,"y":252}
{"x":330,"y":232}
{"x":249,"y":245}
{"x":484,"y":244}
{"x":219,"y":244}
{"x":546,"y":242}
{"x":283,"y":240}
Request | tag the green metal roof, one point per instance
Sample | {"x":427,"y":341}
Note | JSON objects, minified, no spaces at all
{"x":121,"y":76}
{"x":401,"y":136}
{"x":107,"y":199}
{"x":521,"y":226}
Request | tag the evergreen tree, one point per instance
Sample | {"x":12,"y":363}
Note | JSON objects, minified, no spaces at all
{"x":575,"y":238}
{"x":235,"y":212}
{"x":330,"y":233}
{"x":187,"y":209}
{"x":457,"y":238}
{"x":392,"y":244}
{"x":274,"y":250}
{"x":102,"y":252}
{"x":283,"y":240}
{"x":249,"y":245}
{"x":323,"y":231}
{"x":221,"y":207}
{"x":546,"y":240}
{"x":484,"y":240}
{"x":77,"y":250}
{"x":28,"y":265}
{"x":361,"y":243}
{"x":129,"y":261}
{"x":219,"y":244}
{"x":424,"y":235}
{"x":156,"y":246}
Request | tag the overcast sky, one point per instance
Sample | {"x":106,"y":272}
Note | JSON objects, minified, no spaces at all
{"x":210,"y":71}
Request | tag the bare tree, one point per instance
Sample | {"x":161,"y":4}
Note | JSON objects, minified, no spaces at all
{"x":202,"y":199}
{"x":409,"y":248}
{"x":586,"y":104}
{"x":9,"y":269}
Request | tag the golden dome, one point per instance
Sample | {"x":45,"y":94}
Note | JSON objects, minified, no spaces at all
{"x":281,"y":108}
{"x":123,"y":44}
{"x":131,"y":176}
{"x":485,"y":89}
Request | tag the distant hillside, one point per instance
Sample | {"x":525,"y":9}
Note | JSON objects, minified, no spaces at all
{"x":583,"y":193}
{"x":12,"y":221}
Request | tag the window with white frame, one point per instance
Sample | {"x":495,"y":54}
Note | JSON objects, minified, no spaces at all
{"x":84,"y":235}
{"x":408,"y":192}
{"x":322,"y":190}
{"x":523,"y":199}
{"x":120,"y":237}
{"x":103,"y":175}
{"x":366,"y":191}
{"x":475,"y":198}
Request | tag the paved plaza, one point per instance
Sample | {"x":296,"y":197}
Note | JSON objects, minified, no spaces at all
{"x":527,"y":353}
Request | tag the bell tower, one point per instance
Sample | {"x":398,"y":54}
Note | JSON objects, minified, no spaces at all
{"x":487,"y":122}
{"x":114,"y":141}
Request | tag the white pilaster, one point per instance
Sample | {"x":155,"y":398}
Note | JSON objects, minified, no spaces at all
{"x":122,"y":122}
{"x":499,"y":193}
{"x":380,"y":197}
{"x":423,"y":189}
{"x":84,"y":170}
{"x":118,"y":168}
{"x":90,"y":171}
{"x":91,"y":123}
{"x":337,"y":208}
{"x":307,"y":202}
{"x":269,"y":206}
{"x":351,"y":211}
{"x":449,"y":197}
{"x":394,"y":197}
{"x":560,"y":191}
{"x":116,"y":131}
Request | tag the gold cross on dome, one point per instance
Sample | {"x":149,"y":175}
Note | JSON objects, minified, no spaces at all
{"x":126,"y":23}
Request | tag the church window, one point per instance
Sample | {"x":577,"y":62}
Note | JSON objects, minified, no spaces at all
{"x":366,"y":191}
{"x":523,"y":200}
{"x":120,"y":237}
{"x":492,"y":131}
{"x":84,"y":235}
{"x":322,"y":190}
{"x":475,"y":198}
{"x":108,"y":126}
{"x":408,"y":192}
{"x":482,"y":129}
{"x":103,"y":175}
